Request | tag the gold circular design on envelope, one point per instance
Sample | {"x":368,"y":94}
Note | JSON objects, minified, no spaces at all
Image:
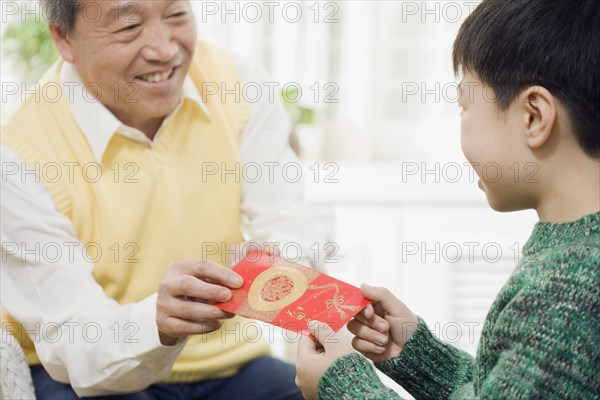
{"x":276,"y":288}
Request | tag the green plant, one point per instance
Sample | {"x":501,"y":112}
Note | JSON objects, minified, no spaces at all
{"x":298,"y":113}
{"x":28,"y":43}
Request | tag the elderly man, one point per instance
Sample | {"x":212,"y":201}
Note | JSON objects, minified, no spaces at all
{"x":122,"y":195}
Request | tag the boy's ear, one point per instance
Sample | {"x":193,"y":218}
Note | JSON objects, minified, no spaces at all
{"x":539,"y":115}
{"x":63,"y":43}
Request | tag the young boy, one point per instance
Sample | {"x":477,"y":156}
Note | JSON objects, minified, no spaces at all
{"x":541,"y":339}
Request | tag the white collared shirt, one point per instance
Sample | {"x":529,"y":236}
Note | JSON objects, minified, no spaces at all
{"x":99,"y":124}
{"x":61,"y":297}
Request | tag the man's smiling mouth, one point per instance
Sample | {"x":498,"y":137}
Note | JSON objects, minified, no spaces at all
{"x":157,"y":77}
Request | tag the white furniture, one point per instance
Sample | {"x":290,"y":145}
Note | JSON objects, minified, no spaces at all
{"x":15,"y":378}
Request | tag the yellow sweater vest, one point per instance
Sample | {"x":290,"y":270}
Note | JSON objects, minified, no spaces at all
{"x":151,"y":203}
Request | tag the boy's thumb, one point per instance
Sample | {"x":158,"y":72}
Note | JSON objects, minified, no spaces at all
{"x":321,"y":331}
{"x":306,"y":346}
{"x":381,"y":295}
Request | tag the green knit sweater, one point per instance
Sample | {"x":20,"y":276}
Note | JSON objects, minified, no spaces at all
{"x":541,"y":338}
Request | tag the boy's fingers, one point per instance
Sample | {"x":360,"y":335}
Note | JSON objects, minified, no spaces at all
{"x":364,"y":346}
{"x":367,"y":312}
{"x":321,"y":331}
{"x":365,"y":332}
{"x":306,"y":345}
{"x":384,"y":297}
{"x":377,"y":323}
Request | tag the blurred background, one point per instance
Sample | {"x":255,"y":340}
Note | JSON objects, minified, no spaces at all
{"x":372,"y":96}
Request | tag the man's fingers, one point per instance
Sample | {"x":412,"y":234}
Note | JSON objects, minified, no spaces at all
{"x":234,"y":255}
{"x":211,"y":271}
{"x":177,"y":327}
{"x":240,"y":250}
{"x":228,"y":315}
{"x":183,"y":294}
{"x":191,"y":310}
{"x":189,"y":286}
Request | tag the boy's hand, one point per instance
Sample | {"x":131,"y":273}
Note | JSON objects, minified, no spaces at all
{"x":314,"y":357}
{"x":383,"y":328}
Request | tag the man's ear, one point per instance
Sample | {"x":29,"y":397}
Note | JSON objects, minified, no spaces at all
{"x":539,"y":115}
{"x":63,"y":42}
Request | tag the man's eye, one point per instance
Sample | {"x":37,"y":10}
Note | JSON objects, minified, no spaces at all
{"x":177,"y":15}
{"x":129,"y":28}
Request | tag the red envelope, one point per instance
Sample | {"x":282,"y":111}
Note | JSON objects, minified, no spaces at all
{"x":290,"y":295}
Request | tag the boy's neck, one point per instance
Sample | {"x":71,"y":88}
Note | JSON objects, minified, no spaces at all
{"x":574,"y":193}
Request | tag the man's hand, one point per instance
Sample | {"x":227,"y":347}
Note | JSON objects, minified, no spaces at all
{"x":240,"y":250}
{"x":183,"y":294}
{"x":314,"y":357}
{"x":383,"y":328}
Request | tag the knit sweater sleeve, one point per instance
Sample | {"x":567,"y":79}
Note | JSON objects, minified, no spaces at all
{"x":426,"y":366}
{"x":543,"y":344}
{"x":429,"y":368}
{"x":352,"y":377}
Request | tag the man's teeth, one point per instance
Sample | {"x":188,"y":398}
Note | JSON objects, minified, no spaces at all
{"x":157,"y":77}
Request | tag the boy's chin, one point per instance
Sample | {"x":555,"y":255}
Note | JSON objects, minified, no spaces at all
{"x":499,"y":204}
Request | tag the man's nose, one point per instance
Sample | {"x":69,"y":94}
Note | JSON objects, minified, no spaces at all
{"x":159,"y":45}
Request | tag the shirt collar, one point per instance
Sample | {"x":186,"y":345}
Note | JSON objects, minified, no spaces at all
{"x":97,"y":122}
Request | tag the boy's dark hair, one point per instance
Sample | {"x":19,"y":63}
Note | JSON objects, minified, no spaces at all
{"x":514,"y":44}
{"x":62,"y":12}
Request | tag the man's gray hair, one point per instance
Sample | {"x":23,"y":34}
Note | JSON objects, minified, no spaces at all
{"x":62,"y":12}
